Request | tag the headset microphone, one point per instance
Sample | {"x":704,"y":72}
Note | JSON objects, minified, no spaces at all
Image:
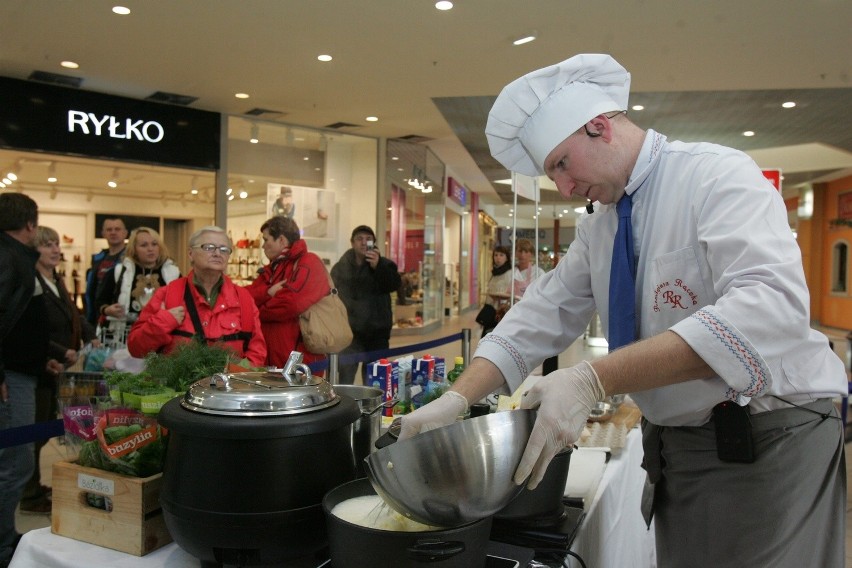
{"x":590,"y":208}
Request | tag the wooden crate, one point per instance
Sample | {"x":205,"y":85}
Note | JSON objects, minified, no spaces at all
{"x":135,"y":524}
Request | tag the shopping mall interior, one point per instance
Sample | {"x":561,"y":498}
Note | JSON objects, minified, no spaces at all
{"x":374,"y":113}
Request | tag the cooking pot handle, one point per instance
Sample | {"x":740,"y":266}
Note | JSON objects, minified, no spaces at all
{"x":435,"y":550}
{"x":392,"y":402}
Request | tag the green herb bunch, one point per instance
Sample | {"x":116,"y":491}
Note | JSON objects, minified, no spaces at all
{"x":188,"y":363}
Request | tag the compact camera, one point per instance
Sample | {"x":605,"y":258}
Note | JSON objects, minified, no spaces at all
{"x":370,"y":245}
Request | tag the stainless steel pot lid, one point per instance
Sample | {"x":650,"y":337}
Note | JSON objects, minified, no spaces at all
{"x":292,"y":390}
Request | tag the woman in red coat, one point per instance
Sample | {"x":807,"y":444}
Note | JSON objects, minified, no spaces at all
{"x":294,"y":280}
{"x":205,"y":303}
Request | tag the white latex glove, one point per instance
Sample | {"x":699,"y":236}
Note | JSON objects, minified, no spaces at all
{"x":440,"y":412}
{"x":564,"y":399}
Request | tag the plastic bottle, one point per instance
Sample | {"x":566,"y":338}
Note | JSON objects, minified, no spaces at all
{"x":456,"y":371}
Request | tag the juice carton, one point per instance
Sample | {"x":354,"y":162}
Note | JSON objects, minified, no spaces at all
{"x":384,"y":375}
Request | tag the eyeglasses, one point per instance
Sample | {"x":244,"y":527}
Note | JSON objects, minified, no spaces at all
{"x":210,"y":247}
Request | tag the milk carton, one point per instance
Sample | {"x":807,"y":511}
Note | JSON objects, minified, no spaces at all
{"x":427,"y":378}
{"x":384,"y":375}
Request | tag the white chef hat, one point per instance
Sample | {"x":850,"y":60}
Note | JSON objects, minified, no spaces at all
{"x":534,"y":114}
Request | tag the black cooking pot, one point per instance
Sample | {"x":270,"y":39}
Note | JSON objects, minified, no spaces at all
{"x":356,"y":546}
{"x":545,"y":501}
{"x":250,"y":457}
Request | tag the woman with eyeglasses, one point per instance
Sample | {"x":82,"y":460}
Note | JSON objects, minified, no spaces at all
{"x":205,"y":305}
{"x":294,"y":280}
{"x":145,"y":268}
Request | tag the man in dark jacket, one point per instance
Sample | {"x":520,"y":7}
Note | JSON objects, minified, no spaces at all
{"x":115,"y":233}
{"x":365,"y":280}
{"x":23,"y":352}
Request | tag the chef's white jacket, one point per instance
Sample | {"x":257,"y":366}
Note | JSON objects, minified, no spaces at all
{"x":717,"y":264}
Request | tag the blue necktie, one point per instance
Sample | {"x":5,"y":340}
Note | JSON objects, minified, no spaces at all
{"x":622,"y":280}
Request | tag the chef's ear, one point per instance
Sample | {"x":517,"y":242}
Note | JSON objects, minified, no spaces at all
{"x":599,"y":127}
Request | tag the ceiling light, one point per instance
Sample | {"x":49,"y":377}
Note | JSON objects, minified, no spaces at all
{"x":230,"y":198}
{"x":525,"y":39}
{"x":789,"y":104}
{"x":580,"y":210}
{"x":12,"y":176}
{"x":254,"y":134}
{"x":193,"y":191}
{"x":324,"y":57}
{"x":4,"y":182}
{"x":230,"y":191}
{"x":52,"y":179}
{"x":120,"y":10}
{"x":113,"y":181}
{"x":638,"y":107}
{"x":748,"y":133}
{"x":306,"y":158}
{"x":372,"y":119}
{"x":242,"y":95}
{"x":394,"y":157}
{"x":243,"y":194}
{"x":444,"y":5}
{"x":70,"y":64}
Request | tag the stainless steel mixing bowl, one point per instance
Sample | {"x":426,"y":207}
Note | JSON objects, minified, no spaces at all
{"x":456,"y":474}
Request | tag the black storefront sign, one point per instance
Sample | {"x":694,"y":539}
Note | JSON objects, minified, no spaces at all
{"x":62,"y":120}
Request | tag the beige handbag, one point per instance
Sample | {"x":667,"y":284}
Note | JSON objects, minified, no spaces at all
{"x":325,"y":325}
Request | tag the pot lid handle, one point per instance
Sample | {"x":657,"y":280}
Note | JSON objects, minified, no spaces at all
{"x":295,"y":372}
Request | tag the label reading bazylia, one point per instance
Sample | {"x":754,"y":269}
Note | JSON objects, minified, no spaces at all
{"x":96,"y":484}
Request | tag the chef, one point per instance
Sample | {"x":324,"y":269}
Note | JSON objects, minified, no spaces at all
{"x":743,"y":446}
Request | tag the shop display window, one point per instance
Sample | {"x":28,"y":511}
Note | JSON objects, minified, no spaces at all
{"x":325,"y":181}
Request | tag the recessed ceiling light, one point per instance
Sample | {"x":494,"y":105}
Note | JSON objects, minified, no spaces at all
{"x":372,"y":119}
{"x":194,"y":192}
{"x":748,"y":133}
{"x":789,"y":104}
{"x":120,"y":10}
{"x":243,"y":194}
{"x":12,"y":176}
{"x":444,"y":5}
{"x":324,"y":57}
{"x":394,"y":157}
{"x":524,"y":39}
{"x":242,"y":95}
{"x":638,"y":107}
{"x":70,"y":65}
{"x":52,"y":179}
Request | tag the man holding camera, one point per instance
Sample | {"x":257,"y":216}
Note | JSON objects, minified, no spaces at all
{"x":364,"y":280}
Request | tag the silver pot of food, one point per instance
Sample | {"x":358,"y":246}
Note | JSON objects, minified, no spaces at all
{"x":368,"y":427}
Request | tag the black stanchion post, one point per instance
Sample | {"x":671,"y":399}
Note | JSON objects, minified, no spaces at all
{"x":466,"y":346}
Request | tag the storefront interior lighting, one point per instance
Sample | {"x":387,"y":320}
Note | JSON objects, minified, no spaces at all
{"x":51,"y":173}
{"x":6,"y":181}
{"x":193,"y":186}
{"x":637,"y":107}
{"x":789,"y":104}
{"x":748,"y":133}
{"x":230,"y":191}
{"x":372,"y":119}
{"x":243,"y":194}
{"x":444,"y":5}
{"x":254,"y":134}
{"x":120,"y":10}
{"x":325,"y":58}
{"x":70,"y":64}
{"x":242,"y":95}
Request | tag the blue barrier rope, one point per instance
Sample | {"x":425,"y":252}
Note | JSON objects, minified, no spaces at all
{"x":31,"y":433}
{"x":52,"y":428}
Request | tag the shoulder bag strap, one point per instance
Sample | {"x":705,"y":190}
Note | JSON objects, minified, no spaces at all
{"x":193,"y":312}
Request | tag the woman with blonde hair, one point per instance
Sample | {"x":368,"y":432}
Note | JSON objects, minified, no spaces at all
{"x":145,"y":268}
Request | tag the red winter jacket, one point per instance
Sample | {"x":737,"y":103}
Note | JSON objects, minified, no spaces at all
{"x":154,"y":330}
{"x":279,"y":315}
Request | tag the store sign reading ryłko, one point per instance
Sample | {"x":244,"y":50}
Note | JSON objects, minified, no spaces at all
{"x":113,"y":127}
{"x":63,"y":120}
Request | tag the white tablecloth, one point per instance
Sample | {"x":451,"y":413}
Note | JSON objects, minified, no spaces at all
{"x":613,"y":532}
